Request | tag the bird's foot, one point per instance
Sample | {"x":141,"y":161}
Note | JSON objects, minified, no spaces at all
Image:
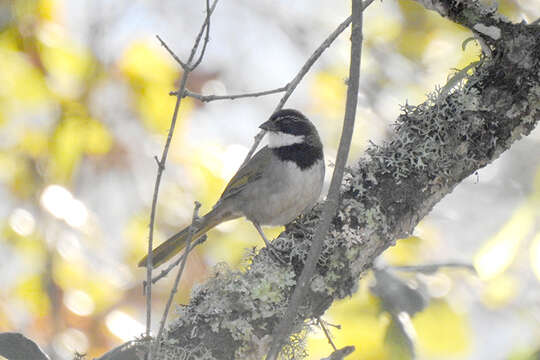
{"x":274,"y":253}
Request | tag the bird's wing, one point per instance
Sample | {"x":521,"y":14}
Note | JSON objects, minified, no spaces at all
{"x":249,"y":173}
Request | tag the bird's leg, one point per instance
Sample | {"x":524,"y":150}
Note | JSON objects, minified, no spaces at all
{"x":270,"y":247}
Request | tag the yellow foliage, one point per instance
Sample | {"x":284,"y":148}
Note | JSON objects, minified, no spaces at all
{"x":22,"y":180}
{"x":34,"y":143}
{"x":75,"y":136}
{"x":136,"y":232}
{"x":143,"y":62}
{"x":98,"y":140}
{"x":31,"y":292}
{"x":500,"y":291}
{"x":498,"y":253}
{"x":156,"y":107}
{"x":47,"y":9}
{"x":441,"y":331}
{"x":329,"y":93}
{"x":406,"y":251}
{"x":535,"y":255}
{"x":20,"y":82}
{"x":152,"y":75}
{"x":68,"y":67}
{"x":362,"y":326}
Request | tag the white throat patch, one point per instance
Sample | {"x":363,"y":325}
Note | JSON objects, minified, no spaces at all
{"x":279,"y":139}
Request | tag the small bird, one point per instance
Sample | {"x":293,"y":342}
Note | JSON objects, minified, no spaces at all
{"x":277,"y":184}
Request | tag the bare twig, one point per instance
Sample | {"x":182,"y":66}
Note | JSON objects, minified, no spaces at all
{"x":291,"y":86}
{"x":256,"y":141}
{"x":208,"y":98}
{"x":431,"y":268}
{"x":205,"y":26}
{"x":166,"y":271}
{"x":282,"y":330}
{"x":315,"y":56}
{"x":323,"y":327}
{"x":178,"y":60}
{"x":191,"y":232}
{"x":161,"y":166}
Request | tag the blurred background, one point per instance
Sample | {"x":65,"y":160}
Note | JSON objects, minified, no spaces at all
{"x":84,"y":108}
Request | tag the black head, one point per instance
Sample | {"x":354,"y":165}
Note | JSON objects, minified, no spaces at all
{"x":290,"y":122}
{"x":293,"y":138}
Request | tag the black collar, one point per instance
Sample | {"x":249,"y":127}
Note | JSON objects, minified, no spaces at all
{"x":302,"y":154}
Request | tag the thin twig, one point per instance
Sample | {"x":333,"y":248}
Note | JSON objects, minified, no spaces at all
{"x":291,"y":86}
{"x":166,"y":271}
{"x":431,"y":268}
{"x":205,"y":26}
{"x":191,"y":232}
{"x":315,"y":56}
{"x":182,"y":64}
{"x":256,"y":141}
{"x":208,"y":98}
{"x":282,"y":330}
{"x":161,"y":167}
{"x":323,"y":327}
{"x":206,"y":37}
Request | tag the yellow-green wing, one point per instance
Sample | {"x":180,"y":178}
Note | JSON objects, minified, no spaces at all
{"x":247,"y":174}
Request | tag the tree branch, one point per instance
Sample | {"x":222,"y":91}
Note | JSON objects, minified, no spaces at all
{"x":188,"y":67}
{"x":282,"y":331}
{"x":435,"y":145}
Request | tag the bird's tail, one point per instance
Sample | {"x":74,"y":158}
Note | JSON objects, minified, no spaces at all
{"x":177,"y":242}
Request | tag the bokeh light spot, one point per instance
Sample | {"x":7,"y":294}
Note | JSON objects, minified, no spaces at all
{"x":123,"y":325}
{"x":79,"y":302}
{"x":22,"y":222}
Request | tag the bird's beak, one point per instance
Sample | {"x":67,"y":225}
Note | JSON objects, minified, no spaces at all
{"x":268,"y":126}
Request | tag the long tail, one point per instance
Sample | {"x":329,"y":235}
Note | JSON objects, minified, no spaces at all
{"x":177,"y":242}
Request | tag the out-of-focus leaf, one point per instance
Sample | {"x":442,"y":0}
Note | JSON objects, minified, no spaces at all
{"x":535,"y":255}
{"x":500,"y":291}
{"x":152,"y":75}
{"x":77,"y":275}
{"x":34,"y":143}
{"x":20,"y":81}
{"x":68,"y":66}
{"x":362,"y":325}
{"x":400,"y":337}
{"x":441,"y":331}
{"x":525,"y":355}
{"x":17,"y":172}
{"x":144,"y":61}
{"x":329,"y":92}
{"x":341,"y":353}
{"x":67,"y":148}
{"x":47,"y":9}
{"x":499,"y":252}
{"x":15,"y":346}
{"x":405,"y":251}
{"x":156,"y":107}
{"x":396,"y":295}
{"x":34,"y":296}
{"x":74,"y":137}
{"x":98,"y":140}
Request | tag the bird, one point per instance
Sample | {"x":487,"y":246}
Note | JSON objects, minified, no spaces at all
{"x":281,"y":181}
